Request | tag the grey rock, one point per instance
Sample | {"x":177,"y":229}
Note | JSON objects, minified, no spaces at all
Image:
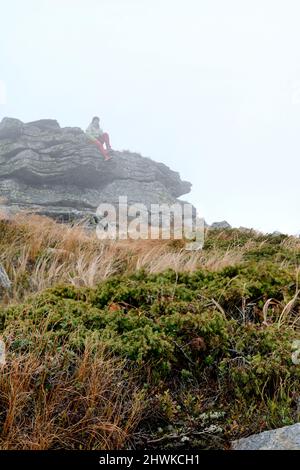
{"x":45,"y":124}
{"x":10,"y":128}
{"x":286,"y":438}
{"x":58,"y":172}
{"x":4,"y":279}
{"x":220,"y":225}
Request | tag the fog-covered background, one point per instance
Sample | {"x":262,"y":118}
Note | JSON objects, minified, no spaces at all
{"x":209,"y":87}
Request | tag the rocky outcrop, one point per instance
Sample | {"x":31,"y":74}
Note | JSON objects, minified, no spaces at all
{"x":57,"y":172}
{"x":4,"y":279}
{"x":286,"y":438}
{"x":220,"y":225}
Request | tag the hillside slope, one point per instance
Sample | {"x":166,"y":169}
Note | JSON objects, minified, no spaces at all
{"x":119,"y":344}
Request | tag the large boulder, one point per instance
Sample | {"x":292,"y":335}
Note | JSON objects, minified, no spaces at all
{"x":286,"y":438}
{"x":220,"y":225}
{"x":58,"y":172}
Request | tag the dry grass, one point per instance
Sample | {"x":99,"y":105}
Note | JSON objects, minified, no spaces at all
{"x":50,"y":402}
{"x":38,"y":253}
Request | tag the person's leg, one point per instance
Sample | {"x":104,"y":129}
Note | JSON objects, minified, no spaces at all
{"x":106,"y":140}
{"x":103,"y":151}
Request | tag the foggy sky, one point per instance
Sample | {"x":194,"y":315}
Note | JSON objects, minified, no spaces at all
{"x":209,"y":87}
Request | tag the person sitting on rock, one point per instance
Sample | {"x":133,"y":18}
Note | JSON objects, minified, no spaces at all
{"x":99,"y":138}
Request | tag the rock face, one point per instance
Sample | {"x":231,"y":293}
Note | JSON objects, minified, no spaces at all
{"x":4,"y":280}
{"x":286,"y":438}
{"x":57,"y":172}
{"x":220,"y":225}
